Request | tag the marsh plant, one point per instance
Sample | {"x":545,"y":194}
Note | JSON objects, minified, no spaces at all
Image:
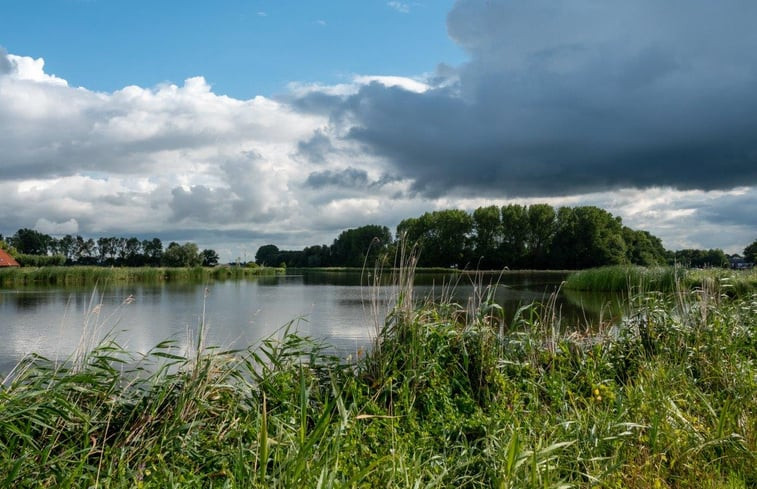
{"x":92,"y":275}
{"x":448,"y":397}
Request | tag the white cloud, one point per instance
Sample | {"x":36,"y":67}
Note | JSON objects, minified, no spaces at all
{"x":184,"y":163}
{"x":401,"y":7}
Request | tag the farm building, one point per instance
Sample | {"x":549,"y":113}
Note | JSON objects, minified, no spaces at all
{"x":6,"y":260}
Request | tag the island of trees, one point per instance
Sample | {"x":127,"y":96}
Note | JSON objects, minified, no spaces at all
{"x":513,"y":236}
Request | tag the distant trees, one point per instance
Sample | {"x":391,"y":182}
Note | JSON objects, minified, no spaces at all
{"x":209,"y":258}
{"x":33,"y":248}
{"x":267,"y":255}
{"x":750,"y":252}
{"x":31,"y":242}
{"x":443,"y":236}
{"x":352,"y":248}
{"x":701,"y":258}
{"x":186,"y":255}
{"x":513,"y":236}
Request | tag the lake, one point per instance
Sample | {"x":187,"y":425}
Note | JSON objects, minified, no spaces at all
{"x":333,"y":306}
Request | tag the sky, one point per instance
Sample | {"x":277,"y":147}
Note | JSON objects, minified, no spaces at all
{"x":239,"y":123}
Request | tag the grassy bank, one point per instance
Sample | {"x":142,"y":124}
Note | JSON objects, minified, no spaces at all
{"x":663,"y":279}
{"x":446,"y":398}
{"x":83,"y":275}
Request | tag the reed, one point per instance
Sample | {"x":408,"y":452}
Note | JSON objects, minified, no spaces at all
{"x":90,"y":275}
{"x":446,"y":398}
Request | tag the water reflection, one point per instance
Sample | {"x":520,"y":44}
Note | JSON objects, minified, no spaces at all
{"x":329,"y":305}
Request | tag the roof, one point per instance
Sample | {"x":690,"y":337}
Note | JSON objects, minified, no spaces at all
{"x":6,"y":260}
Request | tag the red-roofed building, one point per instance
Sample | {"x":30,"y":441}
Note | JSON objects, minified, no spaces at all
{"x":6,"y":260}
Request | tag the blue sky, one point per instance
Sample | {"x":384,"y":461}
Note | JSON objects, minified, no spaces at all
{"x":236,"y":124}
{"x":242,"y":47}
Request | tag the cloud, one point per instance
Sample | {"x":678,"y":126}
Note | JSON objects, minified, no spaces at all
{"x":349,"y":177}
{"x":5,"y":62}
{"x":573,"y":97}
{"x":628,"y":106}
{"x":400,"y":7}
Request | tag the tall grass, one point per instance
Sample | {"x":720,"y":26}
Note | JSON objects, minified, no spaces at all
{"x":623,"y":278}
{"x":447,"y":398}
{"x":88,"y":275}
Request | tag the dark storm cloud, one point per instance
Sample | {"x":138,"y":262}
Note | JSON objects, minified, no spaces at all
{"x":563,"y":98}
{"x":732,"y":210}
{"x":315,"y":149}
{"x":349,"y":178}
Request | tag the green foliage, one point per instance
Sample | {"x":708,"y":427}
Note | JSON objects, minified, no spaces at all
{"x":209,"y":258}
{"x":664,"y":279}
{"x":266,"y":254}
{"x":750,"y":252}
{"x":701,"y":258}
{"x":83,"y":275}
{"x":443,"y":237}
{"x":186,"y":255}
{"x":358,"y":246}
{"x":446,"y":398}
{"x":31,"y":242}
{"x":40,"y":260}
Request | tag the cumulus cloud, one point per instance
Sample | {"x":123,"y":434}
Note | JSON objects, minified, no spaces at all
{"x":574,"y":97}
{"x":629,"y":106}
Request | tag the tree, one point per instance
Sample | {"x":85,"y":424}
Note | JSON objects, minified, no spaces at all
{"x":209,"y":258}
{"x":67,"y":247}
{"x":642,"y":248}
{"x":542,"y":227}
{"x":443,"y":237}
{"x":153,"y":251}
{"x":267,"y":255}
{"x":186,"y":255}
{"x":31,"y":242}
{"x":701,"y":258}
{"x":358,"y":246}
{"x":587,"y":237}
{"x":515,"y":236}
{"x":85,"y":251}
{"x":107,"y":248}
{"x":487,"y":237}
{"x":132,"y":253}
{"x":750,"y":252}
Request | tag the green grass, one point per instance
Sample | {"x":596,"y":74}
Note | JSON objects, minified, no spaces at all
{"x":662,"y":279}
{"x":446,"y":398}
{"x":90,"y":275}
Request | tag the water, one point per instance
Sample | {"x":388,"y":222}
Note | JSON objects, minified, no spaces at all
{"x":332,"y":306}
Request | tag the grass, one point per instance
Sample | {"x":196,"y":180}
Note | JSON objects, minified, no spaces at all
{"x":623,"y":278}
{"x":90,"y":275}
{"x":446,"y":398}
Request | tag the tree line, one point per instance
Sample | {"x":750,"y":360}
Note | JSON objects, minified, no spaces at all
{"x":512,"y":236}
{"x":31,"y":247}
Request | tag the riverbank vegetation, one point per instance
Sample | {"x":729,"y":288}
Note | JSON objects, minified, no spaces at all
{"x":447,"y":397}
{"x":83,"y":275}
{"x":35,"y":249}
{"x":663,"y":279}
{"x":515,"y":237}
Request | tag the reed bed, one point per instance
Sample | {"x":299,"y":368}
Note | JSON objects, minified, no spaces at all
{"x":91,"y":275}
{"x":624,"y":278}
{"x":447,"y":397}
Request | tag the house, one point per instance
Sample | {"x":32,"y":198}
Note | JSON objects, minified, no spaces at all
{"x":738,"y":263}
{"x":6,"y":260}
